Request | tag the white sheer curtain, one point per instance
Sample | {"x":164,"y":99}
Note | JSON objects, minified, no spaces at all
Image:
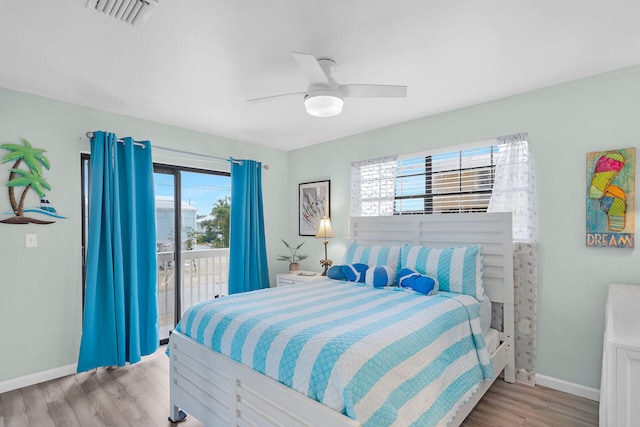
{"x":514,"y":191}
{"x":373,"y":186}
{"x":514,"y":188}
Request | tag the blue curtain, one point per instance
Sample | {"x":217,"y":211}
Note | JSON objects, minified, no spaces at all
{"x":120,"y":322}
{"x":247,"y":248}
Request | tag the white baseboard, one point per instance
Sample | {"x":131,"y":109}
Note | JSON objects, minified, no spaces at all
{"x":568,"y":387}
{"x":37,"y":378}
{"x":63,"y":371}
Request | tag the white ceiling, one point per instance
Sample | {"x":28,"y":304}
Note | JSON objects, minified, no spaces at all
{"x":195,"y":62}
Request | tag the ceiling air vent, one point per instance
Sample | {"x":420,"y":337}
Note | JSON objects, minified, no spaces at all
{"x":134,"y":12}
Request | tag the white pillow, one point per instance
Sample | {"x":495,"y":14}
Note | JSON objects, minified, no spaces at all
{"x":380,"y":276}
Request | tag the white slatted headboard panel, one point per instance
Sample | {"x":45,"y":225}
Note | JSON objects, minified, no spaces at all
{"x":491,"y":230}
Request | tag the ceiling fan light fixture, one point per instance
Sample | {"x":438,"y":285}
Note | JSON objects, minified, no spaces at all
{"x":324,"y":96}
{"x":323,"y":105}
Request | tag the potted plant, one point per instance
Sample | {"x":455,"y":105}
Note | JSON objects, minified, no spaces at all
{"x":294,"y":257}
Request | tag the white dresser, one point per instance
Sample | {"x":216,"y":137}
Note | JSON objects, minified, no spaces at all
{"x":620,"y":385}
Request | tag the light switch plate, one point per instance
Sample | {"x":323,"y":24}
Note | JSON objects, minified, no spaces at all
{"x":31,"y":240}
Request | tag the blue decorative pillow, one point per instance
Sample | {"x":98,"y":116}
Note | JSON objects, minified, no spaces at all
{"x":380,"y":276}
{"x":352,"y":273}
{"x":373,"y":256}
{"x":335,"y":272}
{"x":355,"y":272}
{"x":456,"y":269}
{"x":418,"y":282}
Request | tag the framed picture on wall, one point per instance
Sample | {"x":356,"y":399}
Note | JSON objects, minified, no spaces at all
{"x":313,"y":204}
{"x":611,"y":196}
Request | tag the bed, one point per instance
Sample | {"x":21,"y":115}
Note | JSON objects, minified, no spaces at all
{"x":220,"y":391}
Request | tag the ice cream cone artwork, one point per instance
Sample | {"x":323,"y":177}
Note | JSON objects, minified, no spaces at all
{"x":610,"y":191}
{"x":607,"y":167}
{"x":612,"y":198}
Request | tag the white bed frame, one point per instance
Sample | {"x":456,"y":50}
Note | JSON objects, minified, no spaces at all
{"x":219,"y":391}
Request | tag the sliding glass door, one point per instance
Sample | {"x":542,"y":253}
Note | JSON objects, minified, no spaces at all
{"x":192,"y":225}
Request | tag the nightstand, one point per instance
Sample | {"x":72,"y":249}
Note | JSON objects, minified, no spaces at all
{"x":295,"y":278}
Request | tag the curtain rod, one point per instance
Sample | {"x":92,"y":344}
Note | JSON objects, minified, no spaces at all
{"x":156,"y":147}
{"x":138,"y":143}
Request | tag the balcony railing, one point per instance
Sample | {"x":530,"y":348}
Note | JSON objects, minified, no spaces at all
{"x":204,"y":277}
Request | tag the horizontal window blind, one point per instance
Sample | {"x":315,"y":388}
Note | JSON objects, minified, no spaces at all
{"x":451,"y":182}
{"x":494,"y":175}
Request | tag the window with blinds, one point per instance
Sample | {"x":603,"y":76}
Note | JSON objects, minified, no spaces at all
{"x":452,"y":182}
{"x":489,"y":176}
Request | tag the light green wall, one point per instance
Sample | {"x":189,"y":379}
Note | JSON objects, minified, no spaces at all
{"x":40,"y":288}
{"x":564,"y":122}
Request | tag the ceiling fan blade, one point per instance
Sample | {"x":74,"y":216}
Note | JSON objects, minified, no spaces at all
{"x":311,"y":68}
{"x":274,"y":97}
{"x":374,"y":91}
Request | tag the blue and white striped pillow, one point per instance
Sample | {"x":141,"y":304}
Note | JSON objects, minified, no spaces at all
{"x":374,"y":256}
{"x":457,"y":269}
{"x":380,"y":276}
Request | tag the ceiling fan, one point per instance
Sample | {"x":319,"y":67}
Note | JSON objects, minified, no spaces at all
{"x":325,"y":97}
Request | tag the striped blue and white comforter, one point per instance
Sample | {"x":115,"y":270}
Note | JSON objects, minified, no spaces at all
{"x":380,"y":356}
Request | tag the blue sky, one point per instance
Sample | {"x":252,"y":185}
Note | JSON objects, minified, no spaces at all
{"x":198,"y":189}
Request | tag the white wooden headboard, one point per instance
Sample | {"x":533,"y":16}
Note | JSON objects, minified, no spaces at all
{"x":491,"y":230}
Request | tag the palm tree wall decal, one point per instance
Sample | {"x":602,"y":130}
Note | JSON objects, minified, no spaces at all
{"x":31,"y":179}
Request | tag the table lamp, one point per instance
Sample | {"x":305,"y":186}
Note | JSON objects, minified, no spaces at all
{"x":325,"y":231}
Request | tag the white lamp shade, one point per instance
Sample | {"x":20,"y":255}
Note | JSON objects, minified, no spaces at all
{"x":324,"y":229}
{"x":323,"y":105}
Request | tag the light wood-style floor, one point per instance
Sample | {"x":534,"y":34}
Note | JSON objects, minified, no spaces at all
{"x":138,"y":396}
